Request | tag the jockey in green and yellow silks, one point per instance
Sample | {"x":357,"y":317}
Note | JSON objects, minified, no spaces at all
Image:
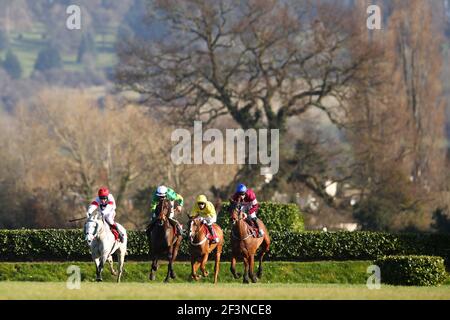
{"x":206,"y":211}
{"x":163,"y":192}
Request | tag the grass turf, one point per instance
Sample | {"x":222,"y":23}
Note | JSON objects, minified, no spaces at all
{"x":348,"y":272}
{"x":195,"y":291}
{"x":282,"y":280}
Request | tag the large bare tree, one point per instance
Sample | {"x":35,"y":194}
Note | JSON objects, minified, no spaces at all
{"x":260,"y":62}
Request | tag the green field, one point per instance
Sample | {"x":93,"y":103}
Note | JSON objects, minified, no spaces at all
{"x":347,"y":272}
{"x":26,"y":46}
{"x":191,"y":291}
{"x":281,"y":280}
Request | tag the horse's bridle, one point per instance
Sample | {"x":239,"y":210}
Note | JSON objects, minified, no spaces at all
{"x":240,"y":216}
{"x":161,"y":220}
{"x":192,"y":237}
{"x":94,"y":234}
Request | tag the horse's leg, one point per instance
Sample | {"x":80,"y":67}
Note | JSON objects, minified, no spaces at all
{"x":111,"y":265}
{"x":170,"y":266}
{"x":97,"y":269}
{"x":246,"y":263}
{"x":174,"y":256}
{"x":194,"y":267}
{"x":121,"y":257}
{"x":251,"y":262}
{"x":233,"y":268}
{"x":203,"y":265}
{"x":100,"y":267}
{"x":153,"y":268}
{"x":264,"y":249}
{"x":217,"y":262}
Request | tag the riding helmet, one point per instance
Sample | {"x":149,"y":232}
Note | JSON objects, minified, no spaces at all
{"x":161,"y":191}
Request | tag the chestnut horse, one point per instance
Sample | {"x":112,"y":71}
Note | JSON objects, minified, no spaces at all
{"x":200,"y":248}
{"x":163,"y":240}
{"x":244,"y":244}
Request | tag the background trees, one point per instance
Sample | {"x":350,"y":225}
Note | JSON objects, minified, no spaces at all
{"x":260,"y":63}
{"x":362,"y":113}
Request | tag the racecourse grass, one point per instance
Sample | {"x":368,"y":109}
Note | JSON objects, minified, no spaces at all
{"x":348,"y":272}
{"x":281,"y":280}
{"x":227,"y":291}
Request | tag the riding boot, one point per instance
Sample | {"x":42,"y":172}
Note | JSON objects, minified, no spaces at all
{"x":260,"y":231}
{"x":121,"y":237}
{"x":176,"y":224}
{"x":114,"y":229}
{"x":213,"y":233}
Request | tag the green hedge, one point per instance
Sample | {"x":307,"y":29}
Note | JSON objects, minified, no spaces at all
{"x":412,"y":270}
{"x":276,"y":216}
{"x":39,"y":245}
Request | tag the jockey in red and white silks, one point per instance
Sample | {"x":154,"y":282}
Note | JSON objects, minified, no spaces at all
{"x":250,"y":205}
{"x":106,"y":205}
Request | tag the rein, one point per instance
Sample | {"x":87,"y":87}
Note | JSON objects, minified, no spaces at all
{"x":199,"y":243}
{"x":234,"y":235}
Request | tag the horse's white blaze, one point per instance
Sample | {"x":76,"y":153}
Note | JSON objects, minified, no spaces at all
{"x":191,"y":233}
{"x":90,"y":231}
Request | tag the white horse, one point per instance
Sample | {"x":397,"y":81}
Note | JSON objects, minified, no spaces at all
{"x":103,"y":244}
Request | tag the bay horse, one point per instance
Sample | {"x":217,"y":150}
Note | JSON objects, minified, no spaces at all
{"x":164,"y":240}
{"x":244,"y":245}
{"x":103,"y":244}
{"x":200,"y":248}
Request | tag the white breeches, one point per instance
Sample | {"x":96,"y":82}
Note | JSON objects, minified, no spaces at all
{"x":210,"y":221}
{"x":172,"y":213}
{"x":109,"y":217}
{"x":253,"y":215}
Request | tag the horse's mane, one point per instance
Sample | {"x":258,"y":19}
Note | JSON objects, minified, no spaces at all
{"x":95,"y":217}
{"x":164,"y":204}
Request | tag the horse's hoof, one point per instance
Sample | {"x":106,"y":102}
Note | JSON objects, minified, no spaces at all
{"x":167,"y":280}
{"x":205,"y":274}
{"x":99,"y":280}
{"x":173,"y":276}
{"x":259,"y":274}
{"x":152,"y":277}
{"x":254,"y":279}
{"x":246,"y":281}
{"x":237,"y":276}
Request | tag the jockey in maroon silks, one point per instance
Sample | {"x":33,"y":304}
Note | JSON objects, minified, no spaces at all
{"x":249,"y":205}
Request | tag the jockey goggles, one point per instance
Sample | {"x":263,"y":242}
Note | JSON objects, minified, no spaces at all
{"x":201,"y":204}
{"x":103,"y":198}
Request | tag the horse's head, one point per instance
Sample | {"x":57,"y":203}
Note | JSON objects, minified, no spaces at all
{"x":236,"y":212}
{"x":195,"y":227}
{"x":163,"y":210}
{"x":91,"y":229}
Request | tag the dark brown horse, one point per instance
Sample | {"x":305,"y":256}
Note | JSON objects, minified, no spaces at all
{"x":200,"y":248}
{"x":164,"y":241}
{"x":245,"y":243}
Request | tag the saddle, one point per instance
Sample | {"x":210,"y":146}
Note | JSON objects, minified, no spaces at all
{"x":115,"y":232}
{"x":254,"y":230}
{"x":209,"y":235}
{"x":175,"y":231}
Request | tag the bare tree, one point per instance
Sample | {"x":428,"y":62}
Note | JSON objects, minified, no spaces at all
{"x":260,"y":62}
